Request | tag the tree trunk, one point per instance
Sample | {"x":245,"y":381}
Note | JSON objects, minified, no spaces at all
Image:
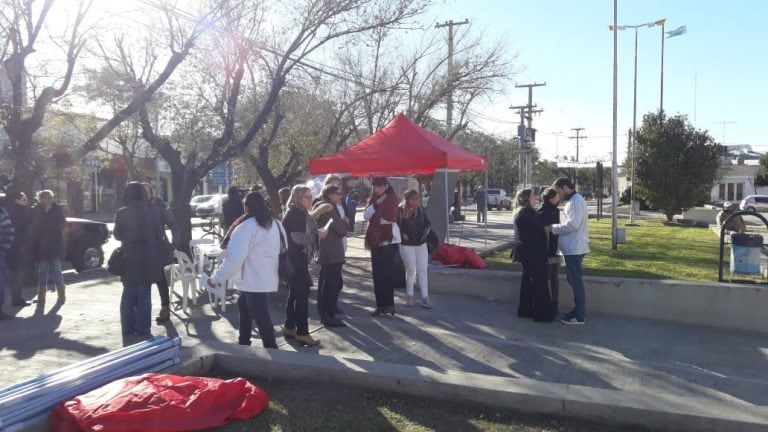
{"x":669,"y":214}
{"x":183,"y":187}
{"x":24,"y":165}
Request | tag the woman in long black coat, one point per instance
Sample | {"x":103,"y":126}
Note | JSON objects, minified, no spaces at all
{"x":139,"y":233}
{"x":47,"y":237}
{"x":531,"y":252}
{"x":551,"y":214}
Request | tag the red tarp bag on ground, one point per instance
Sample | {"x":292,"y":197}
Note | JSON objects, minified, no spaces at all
{"x":459,"y":256}
{"x":160,"y":402}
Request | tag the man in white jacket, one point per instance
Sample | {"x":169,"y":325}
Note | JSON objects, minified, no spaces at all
{"x":574,"y":244}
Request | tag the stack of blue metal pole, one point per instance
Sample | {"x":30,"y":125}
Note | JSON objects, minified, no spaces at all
{"x":30,"y":402}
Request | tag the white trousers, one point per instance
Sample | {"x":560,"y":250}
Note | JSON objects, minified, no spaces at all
{"x":415,"y":259}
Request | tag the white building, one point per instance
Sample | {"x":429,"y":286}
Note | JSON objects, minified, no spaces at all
{"x":739,"y":168}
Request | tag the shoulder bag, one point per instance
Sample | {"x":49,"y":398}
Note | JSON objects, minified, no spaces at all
{"x":284,"y":267}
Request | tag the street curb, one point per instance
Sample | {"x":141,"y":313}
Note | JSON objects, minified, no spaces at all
{"x":657,"y":411}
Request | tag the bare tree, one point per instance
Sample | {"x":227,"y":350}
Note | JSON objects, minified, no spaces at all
{"x":22,"y":24}
{"x":251,"y":71}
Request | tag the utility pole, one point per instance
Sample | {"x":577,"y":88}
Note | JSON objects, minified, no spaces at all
{"x":449,"y":108}
{"x":523,"y":150}
{"x":577,"y":138}
{"x":527,"y":138}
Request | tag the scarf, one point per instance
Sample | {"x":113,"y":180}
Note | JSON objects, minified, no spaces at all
{"x":377,"y":232}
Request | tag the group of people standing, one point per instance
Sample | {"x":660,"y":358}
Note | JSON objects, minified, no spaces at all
{"x":543,"y":241}
{"x":316,"y":228}
{"x":31,"y":236}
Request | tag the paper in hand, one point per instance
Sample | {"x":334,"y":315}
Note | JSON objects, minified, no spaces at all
{"x":328,"y":224}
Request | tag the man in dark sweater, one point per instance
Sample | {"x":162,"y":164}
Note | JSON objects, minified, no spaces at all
{"x":6,"y":241}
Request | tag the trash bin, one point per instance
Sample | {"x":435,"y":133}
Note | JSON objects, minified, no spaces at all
{"x":745,"y":253}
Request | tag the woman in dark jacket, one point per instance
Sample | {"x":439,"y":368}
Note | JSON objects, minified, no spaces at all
{"x":138,"y":231}
{"x":414,"y":227}
{"x":47,"y":233}
{"x":165,"y":218}
{"x":331,"y":254}
{"x":383,"y":239}
{"x":551,"y":214}
{"x":531,"y":252}
{"x":19,"y":258}
{"x":302,"y":232}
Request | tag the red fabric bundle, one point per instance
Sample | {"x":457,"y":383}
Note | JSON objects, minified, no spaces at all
{"x":459,"y":256}
{"x":160,"y":402}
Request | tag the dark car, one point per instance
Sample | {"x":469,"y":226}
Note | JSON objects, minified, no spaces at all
{"x":83,"y":243}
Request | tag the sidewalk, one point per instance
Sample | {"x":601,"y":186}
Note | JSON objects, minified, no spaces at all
{"x":462,"y":334}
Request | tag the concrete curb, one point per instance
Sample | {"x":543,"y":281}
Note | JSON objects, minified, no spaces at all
{"x":658,"y":411}
{"x":719,"y":305}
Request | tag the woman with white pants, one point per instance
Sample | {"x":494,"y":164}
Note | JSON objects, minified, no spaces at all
{"x":414,"y":227}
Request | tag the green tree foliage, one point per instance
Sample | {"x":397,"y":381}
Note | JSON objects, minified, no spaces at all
{"x":761,"y":179}
{"x":676,"y":164}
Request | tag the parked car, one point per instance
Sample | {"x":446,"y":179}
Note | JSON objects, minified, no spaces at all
{"x":83,"y":243}
{"x":206,"y":206}
{"x":498,"y":198}
{"x":755,"y":203}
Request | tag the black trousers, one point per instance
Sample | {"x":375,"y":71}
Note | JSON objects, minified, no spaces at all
{"x":535,"y":298}
{"x":320,"y":283}
{"x":165,"y":292}
{"x":382,"y":264}
{"x":253,"y":306}
{"x":297,"y":308}
{"x":553,"y":275}
{"x":332,"y":284}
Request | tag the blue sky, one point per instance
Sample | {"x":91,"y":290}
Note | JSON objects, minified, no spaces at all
{"x":714,"y":73}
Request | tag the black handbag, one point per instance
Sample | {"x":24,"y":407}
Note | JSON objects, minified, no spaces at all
{"x":116,"y":262}
{"x":433,"y":241}
{"x":284,"y":267}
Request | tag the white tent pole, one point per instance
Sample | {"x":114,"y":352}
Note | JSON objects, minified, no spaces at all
{"x":447,"y":219}
{"x":485,"y":208}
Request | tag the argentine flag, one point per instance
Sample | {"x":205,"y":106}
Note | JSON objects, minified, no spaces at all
{"x":677,"y":32}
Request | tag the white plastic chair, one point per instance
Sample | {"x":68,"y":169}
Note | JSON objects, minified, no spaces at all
{"x":184,"y":271}
{"x":216,"y":294}
{"x":198,"y":259}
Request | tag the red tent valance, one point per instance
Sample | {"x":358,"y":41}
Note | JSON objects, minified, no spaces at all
{"x":401,"y":147}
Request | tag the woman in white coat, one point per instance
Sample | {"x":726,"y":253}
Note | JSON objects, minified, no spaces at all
{"x":254,"y":251}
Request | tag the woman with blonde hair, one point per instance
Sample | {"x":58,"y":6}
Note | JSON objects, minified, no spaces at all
{"x":531,"y":251}
{"x":414,"y":227}
{"x":301,"y":233}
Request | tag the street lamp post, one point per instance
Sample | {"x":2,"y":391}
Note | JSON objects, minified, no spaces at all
{"x":634,"y":108}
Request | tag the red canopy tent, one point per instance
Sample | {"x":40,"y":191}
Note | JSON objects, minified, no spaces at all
{"x":401,"y":147}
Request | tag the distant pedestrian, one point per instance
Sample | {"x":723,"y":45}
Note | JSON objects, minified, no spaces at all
{"x":350,"y":208}
{"x":232,"y":208}
{"x":383,"y":240}
{"x":414,"y":228}
{"x":574,"y":244}
{"x":253,"y":251}
{"x":164,"y":218}
{"x":138,"y":231}
{"x":531,"y":252}
{"x":481,"y":200}
{"x":301,"y":234}
{"x":47,"y":236}
{"x":331,"y":254}
{"x":551,"y":214}
{"x":19,"y":258}
{"x":7,"y":236}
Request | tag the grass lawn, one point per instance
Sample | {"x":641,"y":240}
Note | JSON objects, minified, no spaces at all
{"x":310,"y":406}
{"x":653,"y":251}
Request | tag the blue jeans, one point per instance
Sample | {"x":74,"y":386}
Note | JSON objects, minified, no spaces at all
{"x":49,"y":272}
{"x":575,"y":278}
{"x":136,"y":308}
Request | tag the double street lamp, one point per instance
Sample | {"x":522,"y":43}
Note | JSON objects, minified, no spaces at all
{"x":634,"y":104}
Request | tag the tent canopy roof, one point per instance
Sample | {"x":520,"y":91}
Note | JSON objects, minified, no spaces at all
{"x":401,"y":147}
